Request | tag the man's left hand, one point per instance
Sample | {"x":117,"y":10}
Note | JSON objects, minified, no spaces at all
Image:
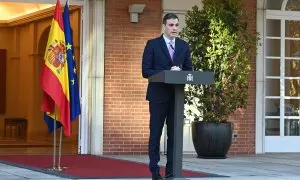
{"x":175,"y":68}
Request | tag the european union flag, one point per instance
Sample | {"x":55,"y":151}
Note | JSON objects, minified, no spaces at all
{"x":73,"y":79}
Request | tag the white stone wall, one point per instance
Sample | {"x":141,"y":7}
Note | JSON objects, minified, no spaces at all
{"x":180,"y":7}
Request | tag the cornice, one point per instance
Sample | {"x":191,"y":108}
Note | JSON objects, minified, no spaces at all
{"x":45,"y":13}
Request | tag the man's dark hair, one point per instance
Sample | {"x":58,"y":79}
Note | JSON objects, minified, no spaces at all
{"x":169,"y":16}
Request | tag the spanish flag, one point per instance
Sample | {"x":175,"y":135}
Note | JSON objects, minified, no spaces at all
{"x":55,"y":78}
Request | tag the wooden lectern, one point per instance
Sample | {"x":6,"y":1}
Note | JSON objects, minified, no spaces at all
{"x":179,"y":79}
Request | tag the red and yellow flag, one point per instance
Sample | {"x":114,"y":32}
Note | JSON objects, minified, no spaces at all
{"x":54,"y":77}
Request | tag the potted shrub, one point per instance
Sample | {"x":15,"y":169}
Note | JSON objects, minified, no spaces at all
{"x":220,"y":42}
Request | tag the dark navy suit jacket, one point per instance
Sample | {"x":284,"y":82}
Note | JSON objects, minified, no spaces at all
{"x":156,"y":58}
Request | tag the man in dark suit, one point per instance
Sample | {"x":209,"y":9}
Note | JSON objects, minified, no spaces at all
{"x":167,"y":52}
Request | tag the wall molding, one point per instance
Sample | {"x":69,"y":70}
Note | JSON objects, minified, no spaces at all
{"x":15,"y":58}
{"x":35,"y":54}
{"x":183,"y":12}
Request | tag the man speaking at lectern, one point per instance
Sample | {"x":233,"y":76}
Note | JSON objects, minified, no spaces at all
{"x":167,"y":52}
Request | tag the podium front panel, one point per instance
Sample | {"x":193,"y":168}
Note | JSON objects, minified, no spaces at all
{"x":183,"y":77}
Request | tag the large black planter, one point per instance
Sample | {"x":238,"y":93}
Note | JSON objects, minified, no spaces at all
{"x":211,"y":140}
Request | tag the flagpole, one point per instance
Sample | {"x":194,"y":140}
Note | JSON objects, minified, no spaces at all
{"x":60,"y":139}
{"x":54,"y":140}
{"x":59,"y":155}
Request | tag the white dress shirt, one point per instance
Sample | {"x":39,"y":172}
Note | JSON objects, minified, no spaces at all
{"x":168,"y":42}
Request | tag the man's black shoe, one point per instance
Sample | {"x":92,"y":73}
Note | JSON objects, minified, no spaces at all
{"x":156,"y":176}
{"x":169,"y":176}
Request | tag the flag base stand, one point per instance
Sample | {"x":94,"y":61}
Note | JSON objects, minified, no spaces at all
{"x":51,"y":169}
{"x":62,"y":168}
{"x":56,"y":167}
{"x":59,"y":169}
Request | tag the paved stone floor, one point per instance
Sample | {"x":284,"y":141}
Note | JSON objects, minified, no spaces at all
{"x":258,"y":167}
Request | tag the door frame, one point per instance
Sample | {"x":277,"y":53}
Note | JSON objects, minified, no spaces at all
{"x":259,"y":111}
{"x":262,"y":15}
{"x":272,"y":142}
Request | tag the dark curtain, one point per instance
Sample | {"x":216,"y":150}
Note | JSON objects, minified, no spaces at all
{"x":2,"y":80}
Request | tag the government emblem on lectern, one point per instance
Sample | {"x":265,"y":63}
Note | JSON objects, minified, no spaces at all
{"x":189,"y":77}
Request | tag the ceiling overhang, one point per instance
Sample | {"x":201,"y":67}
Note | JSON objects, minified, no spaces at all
{"x":12,"y":10}
{"x":29,"y":15}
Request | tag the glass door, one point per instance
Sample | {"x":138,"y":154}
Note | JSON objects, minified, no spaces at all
{"x":282,"y":84}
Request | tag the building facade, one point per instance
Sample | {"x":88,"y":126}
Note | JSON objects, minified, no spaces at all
{"x":125,"y":109}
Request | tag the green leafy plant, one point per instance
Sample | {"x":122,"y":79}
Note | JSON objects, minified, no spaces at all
{"x":220,"y":42}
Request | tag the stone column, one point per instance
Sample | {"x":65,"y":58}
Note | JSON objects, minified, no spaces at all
{"x":92,"y":69}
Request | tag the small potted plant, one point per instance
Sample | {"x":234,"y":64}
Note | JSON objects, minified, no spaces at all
{"x":221,"y":43}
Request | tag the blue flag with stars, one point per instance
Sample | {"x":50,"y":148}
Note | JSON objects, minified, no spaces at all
{"x":73,"y":79}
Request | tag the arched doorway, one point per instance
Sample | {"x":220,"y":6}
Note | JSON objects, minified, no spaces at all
{"x":27,"y":49}
{"x":282,"y":76}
